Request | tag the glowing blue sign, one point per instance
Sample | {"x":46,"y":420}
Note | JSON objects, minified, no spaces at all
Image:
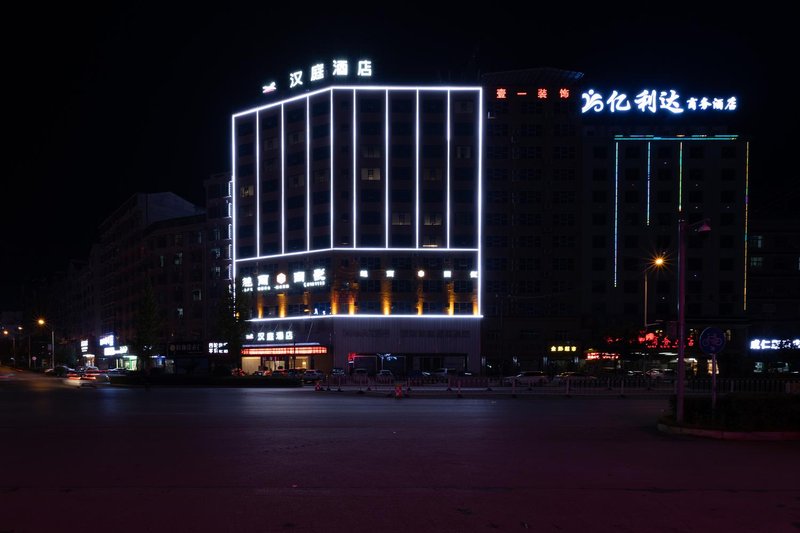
{"x":651,"y":100}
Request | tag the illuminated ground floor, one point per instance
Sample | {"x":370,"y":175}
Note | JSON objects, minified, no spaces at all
{"x":348,"y":342}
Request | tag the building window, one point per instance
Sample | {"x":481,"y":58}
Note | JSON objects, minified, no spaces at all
{"x":756,"y":261}
{"x":433,"y":219}
{"x":247,"y":191}
{"x":463,"y":152}
{"x":179,"y":312}
{"x":197,"y":295}
{"x":370,"y":174}
{"x":696,"y":152}
{"x":432,"y":174}
{"x":178,"y":260}
{"x":371,"y":152}
{"x":401,"y":219}
{"x":758,"y":241}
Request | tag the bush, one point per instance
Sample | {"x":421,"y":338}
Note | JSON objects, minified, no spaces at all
{"x":742,"y":412}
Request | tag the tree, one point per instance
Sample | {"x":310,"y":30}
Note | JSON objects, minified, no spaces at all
{"x":147,"y":322}
{"x":233,"y":315}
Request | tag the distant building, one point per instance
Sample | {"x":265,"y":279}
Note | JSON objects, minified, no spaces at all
{"x":774,"y":292}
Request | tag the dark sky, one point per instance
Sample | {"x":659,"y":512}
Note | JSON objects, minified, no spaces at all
{"x":101,"y":104}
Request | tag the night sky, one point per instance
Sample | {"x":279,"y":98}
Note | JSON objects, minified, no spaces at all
{"x":102,"y":104}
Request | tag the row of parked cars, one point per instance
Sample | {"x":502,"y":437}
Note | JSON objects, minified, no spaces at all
{"x":537,"y":377}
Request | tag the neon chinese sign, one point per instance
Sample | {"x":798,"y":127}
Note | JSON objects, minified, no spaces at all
{"x":653,"y":101}
{"x":337,"y":69}
{"x":318,"y":278}
{"x":775,"y":344}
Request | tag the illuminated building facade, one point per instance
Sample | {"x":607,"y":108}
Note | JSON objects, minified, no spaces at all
{"x":357,"y":228}
{"x":584,"y":188}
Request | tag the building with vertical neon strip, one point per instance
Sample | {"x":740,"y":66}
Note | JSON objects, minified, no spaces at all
{"x":357,"y":228}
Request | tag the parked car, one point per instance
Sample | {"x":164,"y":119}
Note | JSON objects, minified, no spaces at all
{"x":310,"y":376}
{"x":528,"y":377}
{"x":574,"y":376}
{"x":442,"y":373}
{"x":117,"y":372}
{"x":294,"y":373}
{"x":385,"y":376}
{"x":654,"y":373}
{"x":59,"y":371}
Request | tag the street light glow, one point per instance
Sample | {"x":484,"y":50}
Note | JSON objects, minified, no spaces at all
{"x":42,"y":322}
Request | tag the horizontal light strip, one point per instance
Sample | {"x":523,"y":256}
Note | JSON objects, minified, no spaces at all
{"x":285,"y":350}
{"x":677,"y":138}
{"x":384,"y":317}
{"x":370,"y":249}
{"x":359,"y":88}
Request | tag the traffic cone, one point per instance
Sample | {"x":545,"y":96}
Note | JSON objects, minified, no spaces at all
{"x":398,"y":391}
{"x":317,"y":386}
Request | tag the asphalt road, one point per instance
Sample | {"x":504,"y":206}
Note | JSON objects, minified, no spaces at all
{"x":262,"y":460}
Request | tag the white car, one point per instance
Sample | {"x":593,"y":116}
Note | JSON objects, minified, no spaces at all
{"x":528,"y":377}
{"x":310,"y":376}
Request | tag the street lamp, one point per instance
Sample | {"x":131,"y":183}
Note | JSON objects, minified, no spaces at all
{"x":655,"y":263}
{"x":42,"y":322}
{"x":13,"y":335}
{"x":700,"y":226}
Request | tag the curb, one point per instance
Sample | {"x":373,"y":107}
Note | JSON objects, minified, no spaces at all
{"x":729,"y":435}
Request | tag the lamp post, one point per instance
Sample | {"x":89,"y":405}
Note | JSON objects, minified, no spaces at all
{"x":683,"y":228}
{"x":42,"y":322}
{"x":655,"y":264}
{"x":13,"y":335}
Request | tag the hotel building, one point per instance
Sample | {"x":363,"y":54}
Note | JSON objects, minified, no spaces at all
{"x":357,"y":228}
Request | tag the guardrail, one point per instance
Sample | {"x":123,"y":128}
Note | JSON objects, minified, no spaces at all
{"x":568,"y":386}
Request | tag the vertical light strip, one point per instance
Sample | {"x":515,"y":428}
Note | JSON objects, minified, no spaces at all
{"x":648,"y":183}
{"x":746,"y":215}
{"x":680,"y":177}
{"x":354,"y":168}
{"x":308,"y":173}
{"x":233,"y":201}
{"x":331,"y":141}
{"x":480,"y":196}
{"x":616,"y":207}
{"x":258,"y":187}
{"x":283,"y":186}
{"x":386,"y":181}
{"x":416,"y":170}
{"x":448,"y":176}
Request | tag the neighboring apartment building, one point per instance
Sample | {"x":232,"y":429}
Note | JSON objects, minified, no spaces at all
{"x":583,"y":191}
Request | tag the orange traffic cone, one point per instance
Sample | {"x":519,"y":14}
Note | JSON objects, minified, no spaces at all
{"x":317,"y":386}
{"x":398,"y":391}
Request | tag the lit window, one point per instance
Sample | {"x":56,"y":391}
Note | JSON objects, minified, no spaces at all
{"x":473,"y":274}
{"x":448,"y":273}
{"x":363,"y":274}
{"x":197,"y":295}
{"x":390,"y":273}
{"x":370,"y":174}
{"x":420,"y":273}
